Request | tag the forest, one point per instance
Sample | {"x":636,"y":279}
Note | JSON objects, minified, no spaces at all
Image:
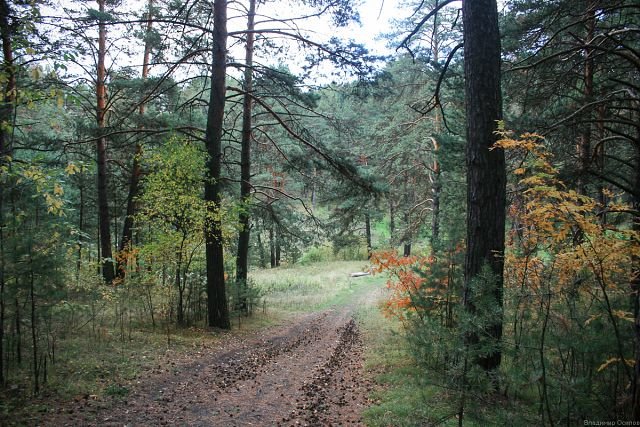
{"x":180,"y":177}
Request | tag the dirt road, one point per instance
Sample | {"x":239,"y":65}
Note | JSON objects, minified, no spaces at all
{"x":308,"y":371}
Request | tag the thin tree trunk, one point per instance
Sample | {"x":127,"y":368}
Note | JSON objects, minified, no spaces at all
{"x":18,"y":330}
{"x":108,"y":272}
{"x":584,"y":140}
{"x":34,"y":334}
{"x":7,"y":104}
{"x":486,"y":176}
{"x":367,"y":230}
{"x":436,"y":182}
{"x":406,"y":251}
{"x":136,"y":172}
{"x":216,"y":291}
{"x":407,"y":243}
{"x":436,"y":188}
{"x":392,"y":222}
{"x":272,"y":247}
{"x":278,"y":246}
{"x":263,"y":255}
{"x":635,"y":289}
{"x":80,"y":225}
{"x":179,"y":286}
{"x":313,"y":189}
{"x":242,"y":260}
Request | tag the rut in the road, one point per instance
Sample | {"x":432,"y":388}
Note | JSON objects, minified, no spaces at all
{"x":328,"y":388}
{"x":308,"y":373}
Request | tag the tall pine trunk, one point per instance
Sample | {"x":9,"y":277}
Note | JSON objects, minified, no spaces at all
{"x":635,"y":289}
{"x":242,"y":260}
{"x":218,"y":309}
{"x":108,"y":272}
{"x":584,"y":139}
{"x":486,"y":176}
{"x":136,"y":170}
{"x":436,"y":189}
{"x":7,"y":104}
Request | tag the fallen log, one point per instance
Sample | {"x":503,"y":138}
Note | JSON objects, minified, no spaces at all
{"x":360,"y":274}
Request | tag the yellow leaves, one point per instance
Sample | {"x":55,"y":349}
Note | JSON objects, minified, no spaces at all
{"x":36,"y":72}
{"x":549,"y":217}
{"x":72,"y":169}
{"x":605,"y":365}
{"x":54,"y":204}
{"x":624,"y":315}
{"x":58,"y":190}
{"x":51,"y":190}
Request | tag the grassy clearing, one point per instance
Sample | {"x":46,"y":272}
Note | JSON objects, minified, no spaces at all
{"x":310,"y":287}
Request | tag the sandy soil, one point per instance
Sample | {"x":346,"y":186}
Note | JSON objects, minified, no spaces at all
{"x":306,"y":372}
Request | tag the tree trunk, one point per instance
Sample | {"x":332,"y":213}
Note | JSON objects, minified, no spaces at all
{"x":272,"y":247}
{"x":136,"y":172}
{"x":180,"y":287}
{"x":406,"y":251}
{"x":242,"y":260}
{"x":367,"y":230}
{"x":436,"y":188}
{"x":635,"y":291}
{"x":7,"y":104}
{"x":392,"y":222}
{"x":108,"y":272}
{"x":407,"y":240}
{"x":263,"y":255}
{"x":278,"y":247}
{"x":486,"y":176}
{"x":584,"y":139}
{"x":216,"y":292}
{"x":34,"y":330}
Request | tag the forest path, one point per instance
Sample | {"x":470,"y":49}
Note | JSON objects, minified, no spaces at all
{"x":308,"y":371}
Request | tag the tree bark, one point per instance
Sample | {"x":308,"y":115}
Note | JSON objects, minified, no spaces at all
{"x":136,"y":170}
{"x":216,"y":291}
{"x":486,"y":176}
{"x":367,"y":230}
{"x":108,"y":272}
{"x":584,"y":139}
{"x":242,"y":259}
{"x":272,"y":247}
{"x":392,"y":222}
{"x":635,"y":290}
{"x":263,"y":256}
{"x":407,"y":239}
{"x":436,"y":188}
{"x":278,"y":235}
{"x":7,"y":105}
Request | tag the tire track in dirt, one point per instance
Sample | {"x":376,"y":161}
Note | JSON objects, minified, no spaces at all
{"x":306,"y":373}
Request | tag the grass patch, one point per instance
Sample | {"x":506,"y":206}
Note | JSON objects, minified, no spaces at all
{"x":310,"y":287}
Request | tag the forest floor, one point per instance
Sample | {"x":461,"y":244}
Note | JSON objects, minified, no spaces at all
{"x":306,"y":370}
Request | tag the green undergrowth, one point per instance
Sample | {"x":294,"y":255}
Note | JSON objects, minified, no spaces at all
{"x":406,"y":395}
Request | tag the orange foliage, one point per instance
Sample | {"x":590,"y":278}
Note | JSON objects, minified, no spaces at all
{"x":418,"y":284}
{"x":560,"y":247}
